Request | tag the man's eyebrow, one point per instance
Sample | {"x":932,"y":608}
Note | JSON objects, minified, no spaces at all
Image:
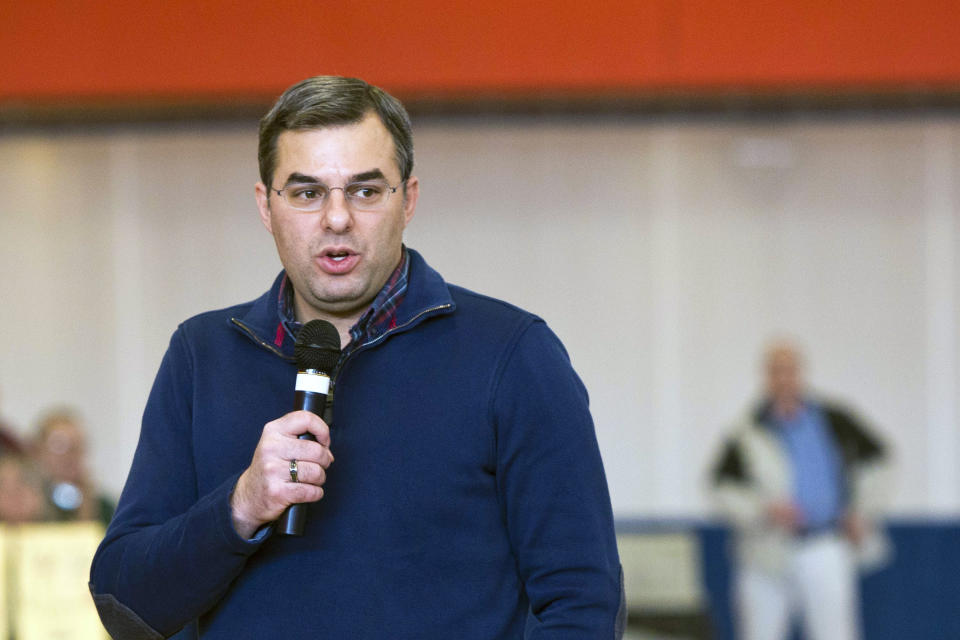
{"x":299,"y":178}
{"x":373,"y":174}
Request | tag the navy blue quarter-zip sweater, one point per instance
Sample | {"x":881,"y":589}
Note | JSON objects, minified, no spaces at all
{"x":467,"y":489}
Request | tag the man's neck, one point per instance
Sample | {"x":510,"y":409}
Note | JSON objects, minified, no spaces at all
{"x":343,"y":328}
{"x":786,"y":408}
{"x":342,"y":323}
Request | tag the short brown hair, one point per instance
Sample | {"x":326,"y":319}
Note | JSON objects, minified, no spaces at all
{"x":323,"y":101}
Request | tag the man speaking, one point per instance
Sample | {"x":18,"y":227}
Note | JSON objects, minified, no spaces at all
{"x":458,"y":487}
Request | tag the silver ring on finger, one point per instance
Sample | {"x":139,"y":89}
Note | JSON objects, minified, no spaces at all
{"x":293,"y":471}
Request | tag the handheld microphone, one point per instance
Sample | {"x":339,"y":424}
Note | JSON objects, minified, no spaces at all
{"x":317,"y":351}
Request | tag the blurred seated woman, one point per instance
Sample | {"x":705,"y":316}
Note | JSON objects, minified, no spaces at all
{"x":60,"y":449}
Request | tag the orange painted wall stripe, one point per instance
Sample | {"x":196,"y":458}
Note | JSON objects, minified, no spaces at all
{"x":173,"y":49}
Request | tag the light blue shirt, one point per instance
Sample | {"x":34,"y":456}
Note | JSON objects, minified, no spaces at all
{"x":815,"y":464}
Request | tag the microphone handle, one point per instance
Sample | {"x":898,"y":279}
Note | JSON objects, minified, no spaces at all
{"x":293,"y":520}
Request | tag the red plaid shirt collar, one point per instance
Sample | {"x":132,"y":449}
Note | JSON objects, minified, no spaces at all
{"x":379,"y":318}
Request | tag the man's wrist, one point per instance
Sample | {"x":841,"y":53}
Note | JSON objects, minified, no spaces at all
{"x":243,"y":525}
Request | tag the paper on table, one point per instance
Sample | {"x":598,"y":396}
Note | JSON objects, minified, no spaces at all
{"x":51,"y":568}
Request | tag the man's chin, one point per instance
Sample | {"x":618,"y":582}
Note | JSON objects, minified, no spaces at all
{"x":341,"y":303}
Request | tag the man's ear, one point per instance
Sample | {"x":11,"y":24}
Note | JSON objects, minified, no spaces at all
{"x":410,"y":196}
{"x":263,"y":204}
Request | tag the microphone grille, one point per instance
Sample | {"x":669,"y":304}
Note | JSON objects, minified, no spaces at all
{"x":317,"y":346}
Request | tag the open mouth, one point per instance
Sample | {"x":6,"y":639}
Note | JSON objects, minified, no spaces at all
{"x":338,"y":255}
{"x":337,"y":260}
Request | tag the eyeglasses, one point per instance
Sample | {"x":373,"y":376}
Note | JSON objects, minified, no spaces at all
{"x":360,"y":196}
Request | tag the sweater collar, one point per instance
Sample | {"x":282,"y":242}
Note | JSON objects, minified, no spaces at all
{"x":426,"y":292}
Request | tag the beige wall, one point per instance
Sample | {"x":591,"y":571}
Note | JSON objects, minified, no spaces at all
{"x":662,"y":253}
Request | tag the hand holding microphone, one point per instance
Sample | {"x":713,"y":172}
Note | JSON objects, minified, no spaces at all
{"x":290,"y":461}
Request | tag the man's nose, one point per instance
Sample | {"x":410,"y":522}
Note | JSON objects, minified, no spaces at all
{"x":337,"y":215}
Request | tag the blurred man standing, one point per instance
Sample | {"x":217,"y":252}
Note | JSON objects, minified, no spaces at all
{"x":801,"y":481}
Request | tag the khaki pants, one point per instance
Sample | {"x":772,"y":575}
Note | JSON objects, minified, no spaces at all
{"x":819,"y":584}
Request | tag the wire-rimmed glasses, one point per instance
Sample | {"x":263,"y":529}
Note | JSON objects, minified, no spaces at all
{"x":367,"y":195}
